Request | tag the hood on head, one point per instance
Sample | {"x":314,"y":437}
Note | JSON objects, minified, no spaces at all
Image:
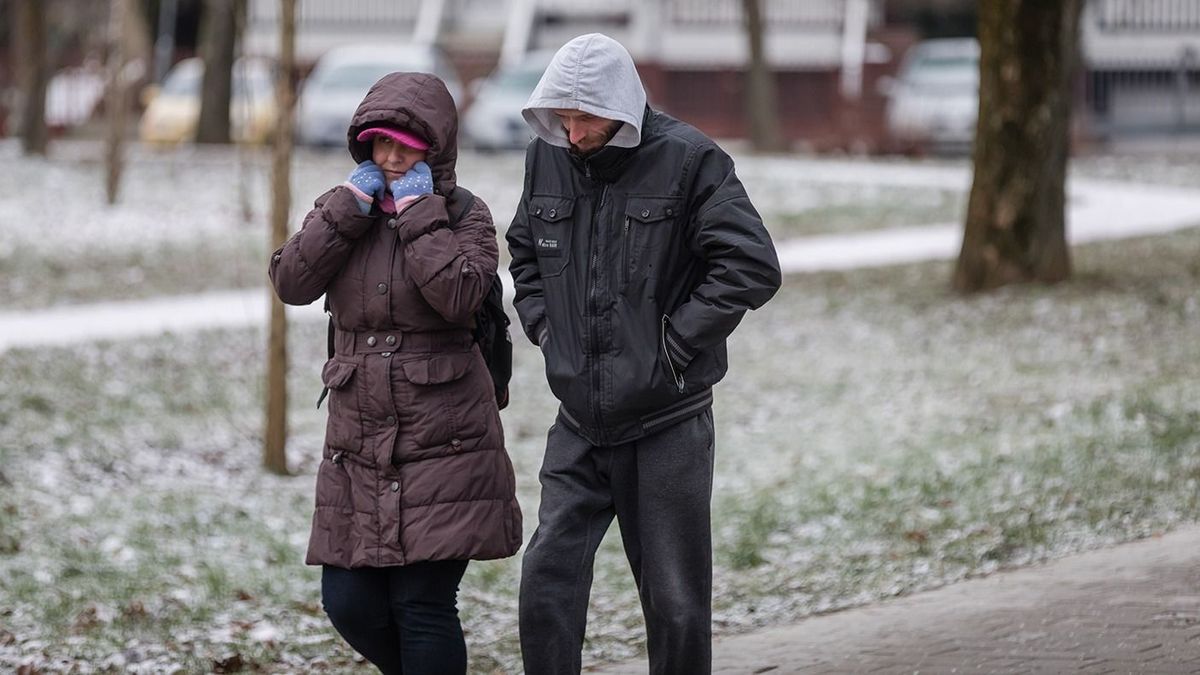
{"x":418,"y":103}
{"x":595,"y":74}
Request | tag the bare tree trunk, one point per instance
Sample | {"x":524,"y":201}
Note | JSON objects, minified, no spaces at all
{"x":275,"y":447}
{"x":34,"y":73}
{"x":1016,"y":220}
{"x":116,"y":100}
{"x":761,"y":108}
{"x":217,"y":47}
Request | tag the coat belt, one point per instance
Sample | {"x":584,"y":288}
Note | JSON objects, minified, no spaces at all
{"x":348,"y":343}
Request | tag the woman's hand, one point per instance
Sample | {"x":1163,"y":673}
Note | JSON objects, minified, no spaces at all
{"x":415,"y":182}
{"x":367,"y":183}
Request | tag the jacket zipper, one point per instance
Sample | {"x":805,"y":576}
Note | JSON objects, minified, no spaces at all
{"x":594,"y":307}
{"x":625,"y":253}
{"x":679,"y":383}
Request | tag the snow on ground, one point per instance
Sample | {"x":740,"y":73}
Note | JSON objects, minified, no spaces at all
{"x":877,"y":434}
{"x":1097,"y":210}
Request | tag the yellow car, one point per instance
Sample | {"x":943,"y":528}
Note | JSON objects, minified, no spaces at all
{"x":173,"y":111}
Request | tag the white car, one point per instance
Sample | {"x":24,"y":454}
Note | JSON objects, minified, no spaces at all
{"x":342,"y":76}
{"x":494,"y":122}
{"x":934,"y":101}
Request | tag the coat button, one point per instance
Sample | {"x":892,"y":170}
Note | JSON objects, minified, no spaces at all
{"x":670,"y":211}
{"x":391,"y":420}
{"x":371,"y":341}
{"x":276,"y":257}
{"x":456,"y":443}
{"x":395,"y":486}
{"x":391,"y":339}
{"x":553,"y":212}
{"x":391,"y":223}
{"x":382,"y":288}
{"x":645,"y":213}
{"x":386,"y":354}
{"x":537,"y":211}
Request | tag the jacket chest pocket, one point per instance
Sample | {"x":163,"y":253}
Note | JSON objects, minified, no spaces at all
{"x":550,"y":223}
{"x":647,"y":230}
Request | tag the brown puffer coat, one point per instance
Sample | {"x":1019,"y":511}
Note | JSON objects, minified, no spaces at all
{"x":414,"y":463}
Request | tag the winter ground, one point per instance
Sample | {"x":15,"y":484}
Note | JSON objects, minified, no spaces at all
{"x":877,"y":434}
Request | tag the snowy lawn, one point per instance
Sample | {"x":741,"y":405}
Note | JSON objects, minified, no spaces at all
{"x":195,"y":219}
{"x":877,"y":435}
{"x":837,"y":209}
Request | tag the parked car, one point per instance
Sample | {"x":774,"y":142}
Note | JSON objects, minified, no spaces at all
{"x":934,"y":101}
{"x":73,"y":95}
{"x":173,"y":110}
{"x":494,"y":122}
{"x":342,"y":76}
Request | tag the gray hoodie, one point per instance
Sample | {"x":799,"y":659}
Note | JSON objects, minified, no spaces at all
{"x":595,"y":74}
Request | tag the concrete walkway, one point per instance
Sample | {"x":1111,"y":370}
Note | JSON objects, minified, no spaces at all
{"x":1134,"y":608}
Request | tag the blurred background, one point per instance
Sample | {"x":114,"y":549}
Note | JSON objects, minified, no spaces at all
{"x":873,"y":76}
{"x":880,"y":431}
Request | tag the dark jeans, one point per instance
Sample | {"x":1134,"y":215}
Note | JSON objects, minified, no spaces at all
{"x":402,"y":619}
{"x":659,"y":488}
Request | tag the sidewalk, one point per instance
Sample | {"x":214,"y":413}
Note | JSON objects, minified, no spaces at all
{"x":1134,"y":608}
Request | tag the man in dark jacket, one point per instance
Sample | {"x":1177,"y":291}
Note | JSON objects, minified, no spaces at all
{"x":635,"y":253}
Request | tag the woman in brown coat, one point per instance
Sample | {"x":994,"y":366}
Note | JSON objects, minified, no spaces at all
{"x":415,"y":480}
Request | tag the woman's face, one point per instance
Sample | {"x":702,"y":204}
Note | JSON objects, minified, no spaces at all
{"x":393,"y":157}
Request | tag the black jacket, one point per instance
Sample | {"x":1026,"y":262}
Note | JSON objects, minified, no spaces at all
{"x":631,"y":268}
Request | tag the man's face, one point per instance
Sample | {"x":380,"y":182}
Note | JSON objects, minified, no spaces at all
{"x":587,"y":133}
{"x":393,"y":157}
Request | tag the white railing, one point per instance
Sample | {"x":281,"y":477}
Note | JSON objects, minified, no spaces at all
{"x":777,"y":14}
{"x":336,"y":13}
{"x":1165,"y":16}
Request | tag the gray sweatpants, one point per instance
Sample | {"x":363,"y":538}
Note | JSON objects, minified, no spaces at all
{"x":659,"y":488}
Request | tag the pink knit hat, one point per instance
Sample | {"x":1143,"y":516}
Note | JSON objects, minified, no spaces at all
{"x":401,"y":137}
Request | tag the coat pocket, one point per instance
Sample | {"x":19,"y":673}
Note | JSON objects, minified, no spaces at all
{"x":343,"y":431}
{"x":646,"y":233}
{"x":550,"y":223}
{"x":438,"y":369}
{"x":439,"y":400}
{"x":333,"y":486}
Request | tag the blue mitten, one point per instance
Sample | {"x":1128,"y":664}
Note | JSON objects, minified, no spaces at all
{"x":415,"y":182}
{"x":367,"y":182}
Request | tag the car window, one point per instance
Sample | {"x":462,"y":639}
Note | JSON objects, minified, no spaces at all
{"x":519,"y":80}
{"x":357,"y":77}
{"x":942,"y":70}
{"x":183,"y":82}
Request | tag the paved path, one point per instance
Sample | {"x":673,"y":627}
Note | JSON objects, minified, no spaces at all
{"x":1134,"y":608}
{"x":1097,"y":210}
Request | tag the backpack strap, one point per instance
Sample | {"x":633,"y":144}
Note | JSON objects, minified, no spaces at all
{"x":457,"y":204}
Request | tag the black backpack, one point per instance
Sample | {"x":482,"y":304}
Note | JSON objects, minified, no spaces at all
{"x":491,"y":321}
